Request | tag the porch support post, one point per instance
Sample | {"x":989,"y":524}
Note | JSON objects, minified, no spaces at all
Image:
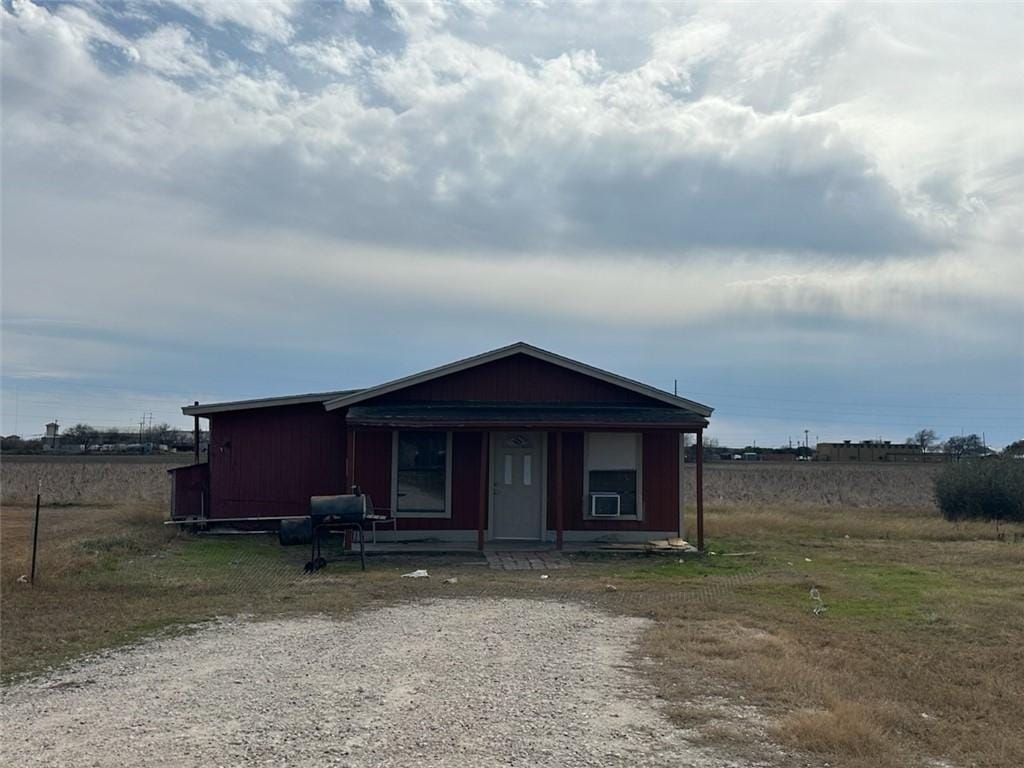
{"x":559,"y":512}
{"x":700,"y":489}
{"x":350,"y":474}
{"x":350,"y":458}
{"x":481,"y":519}
{"x":681,"y":472}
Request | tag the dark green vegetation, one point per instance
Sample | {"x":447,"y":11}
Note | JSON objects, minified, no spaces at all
{"x":986,"y":489}
{"x":919,"y":651}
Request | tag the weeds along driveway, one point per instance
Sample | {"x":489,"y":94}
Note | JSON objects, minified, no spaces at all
{"x":459,"y":682}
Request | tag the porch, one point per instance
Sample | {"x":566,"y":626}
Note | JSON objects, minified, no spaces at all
{"x":437,"y":547}
{"x":508,"y":476}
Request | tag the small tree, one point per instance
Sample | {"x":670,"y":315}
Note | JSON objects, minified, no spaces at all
{"x":82,"y":433}
{"x":1015,"y":448}
{"x":960,"y":446}
{"x":924,"y":438}
{"x":162,"y":433}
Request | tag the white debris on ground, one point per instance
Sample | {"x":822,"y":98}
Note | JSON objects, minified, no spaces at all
{"x":439,"y":683}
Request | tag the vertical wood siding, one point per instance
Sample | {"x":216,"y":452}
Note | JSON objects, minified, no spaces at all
{"x":373,"y":474}
{"x":660,"y":479}
{"x":518,"y":378}
{"x":268,"y":462}
{"x":191,"y":492}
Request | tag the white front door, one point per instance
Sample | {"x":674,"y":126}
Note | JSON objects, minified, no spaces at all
{"x":517,"y":485}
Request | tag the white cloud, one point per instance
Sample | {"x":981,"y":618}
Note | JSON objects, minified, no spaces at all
{"x":171,"y":51}
{"x":359,"y":6}
{"x":817,"y":174}
{"x":338,"y":56}
{"x":269,"y":19}
{"x":500,"y":153}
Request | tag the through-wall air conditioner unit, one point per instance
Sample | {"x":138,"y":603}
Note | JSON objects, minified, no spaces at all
{"x":605,"y":504}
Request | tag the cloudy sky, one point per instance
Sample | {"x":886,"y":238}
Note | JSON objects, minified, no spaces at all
{"x":812,"y":217}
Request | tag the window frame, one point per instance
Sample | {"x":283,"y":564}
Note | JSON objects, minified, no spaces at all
{"x":639,"y":437}
{"x":395,"y":512}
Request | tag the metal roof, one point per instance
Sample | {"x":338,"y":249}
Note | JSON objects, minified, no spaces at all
{"x":349,"y":397}
{"x":206,"y":409}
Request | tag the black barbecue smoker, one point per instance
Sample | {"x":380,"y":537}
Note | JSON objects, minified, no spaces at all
{"x":338,"y":514}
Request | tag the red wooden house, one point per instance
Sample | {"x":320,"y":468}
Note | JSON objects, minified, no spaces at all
{"x":515,"y":444}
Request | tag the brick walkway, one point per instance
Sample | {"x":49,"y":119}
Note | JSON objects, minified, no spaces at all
{"x":521,"y":560}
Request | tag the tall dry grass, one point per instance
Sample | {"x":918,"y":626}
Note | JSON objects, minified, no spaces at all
{"x":882,"y":522}
{"x":72,"y":539}
{"x":919,"y":657}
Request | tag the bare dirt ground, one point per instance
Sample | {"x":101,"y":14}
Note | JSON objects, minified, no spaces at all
{"x":438,"y":683}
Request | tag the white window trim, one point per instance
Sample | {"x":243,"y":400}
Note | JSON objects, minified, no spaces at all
{"x":447,"y":514}
{"x":639,"y":479}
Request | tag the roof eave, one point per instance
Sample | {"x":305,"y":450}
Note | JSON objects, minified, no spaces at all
{"x":569,"y":426}
{"x":267,"y":402}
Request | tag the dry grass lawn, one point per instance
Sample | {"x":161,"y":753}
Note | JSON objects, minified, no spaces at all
{"x":919,"y":655}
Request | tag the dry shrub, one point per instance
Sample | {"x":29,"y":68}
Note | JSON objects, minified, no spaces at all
{"x":845,"y":728}
{"x":982,"y":489}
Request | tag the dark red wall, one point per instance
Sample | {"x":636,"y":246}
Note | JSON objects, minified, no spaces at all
{"x":373,"y":474}
{"x":267,"y":462}
{"x":660,"y":485}
{"x":518,"y":378}
{"x":191,"y":491}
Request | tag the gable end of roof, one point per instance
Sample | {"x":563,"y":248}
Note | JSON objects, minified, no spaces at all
{"x":523,"y":348}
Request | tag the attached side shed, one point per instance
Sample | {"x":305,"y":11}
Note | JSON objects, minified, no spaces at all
{"x":516,"y":444}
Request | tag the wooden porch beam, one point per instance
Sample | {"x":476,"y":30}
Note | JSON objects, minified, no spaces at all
{"x":680,"y":480}
{"x":482,"y":513}
{"x":700,"y":489}
{"x":559,"y":511}
{"x":569,"y":426}
{"x":350,"y":475}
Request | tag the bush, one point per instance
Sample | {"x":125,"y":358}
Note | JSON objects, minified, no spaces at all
{"x":986,"y":489}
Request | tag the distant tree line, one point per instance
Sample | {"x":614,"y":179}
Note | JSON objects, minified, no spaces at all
{"x":92,"y":438}
{"x":959,"y":446}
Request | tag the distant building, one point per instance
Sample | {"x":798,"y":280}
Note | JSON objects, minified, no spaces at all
{"x":874,"y":450}
{"x":51,"y":440}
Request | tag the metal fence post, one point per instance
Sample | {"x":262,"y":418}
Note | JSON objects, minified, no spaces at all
{"x":35,"y":534}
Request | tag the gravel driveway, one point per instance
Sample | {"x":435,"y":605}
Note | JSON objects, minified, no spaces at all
{"x":438,"y":683}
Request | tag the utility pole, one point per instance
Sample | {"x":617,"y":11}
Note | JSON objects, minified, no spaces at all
{"x":807,"y":438}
